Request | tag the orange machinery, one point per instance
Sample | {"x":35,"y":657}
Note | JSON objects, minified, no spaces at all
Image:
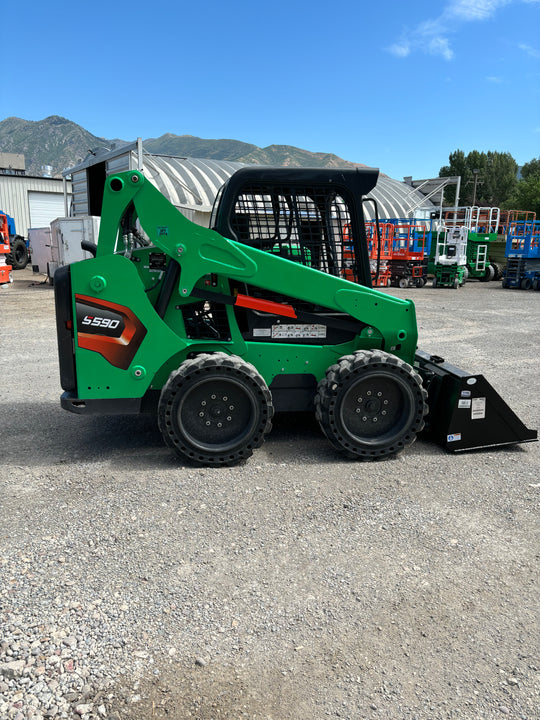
{"x":408,"y":265}
{"x":5,"y":269}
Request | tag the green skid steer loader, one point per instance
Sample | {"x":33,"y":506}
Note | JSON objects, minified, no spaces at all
{"x":214,"y":330}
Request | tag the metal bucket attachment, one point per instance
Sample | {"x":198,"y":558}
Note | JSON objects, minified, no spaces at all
{"x":465,"y":412}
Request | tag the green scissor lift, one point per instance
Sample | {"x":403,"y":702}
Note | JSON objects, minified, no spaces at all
{"x":450,"y":267}
{"x":481,"y":224}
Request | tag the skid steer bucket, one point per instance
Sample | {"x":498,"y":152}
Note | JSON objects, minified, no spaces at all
{"x":465,"y":411}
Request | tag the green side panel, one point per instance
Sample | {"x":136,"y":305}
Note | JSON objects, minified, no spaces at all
{"x":119,"y":283}
{"x":273,"y":359}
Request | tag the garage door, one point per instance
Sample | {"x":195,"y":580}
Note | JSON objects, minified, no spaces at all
{"x":45,"y":207}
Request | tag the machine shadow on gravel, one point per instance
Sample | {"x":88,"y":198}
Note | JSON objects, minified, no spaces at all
{"x":42,"y":434}
{"x":134,"y":441}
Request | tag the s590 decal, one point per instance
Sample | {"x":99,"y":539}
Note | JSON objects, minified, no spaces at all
{"x":109,"y":329}
{"x":100,"y":322}
{"x":95,"y":319}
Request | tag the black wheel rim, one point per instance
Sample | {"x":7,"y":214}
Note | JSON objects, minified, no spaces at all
{"x":217,"y":413}
{"x":377,"y":408}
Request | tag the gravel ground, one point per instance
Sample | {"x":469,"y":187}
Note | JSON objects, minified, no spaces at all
{"x":296,"y":586}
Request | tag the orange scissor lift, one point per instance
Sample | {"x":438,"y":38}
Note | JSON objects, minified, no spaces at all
{"x":5,"y":269}
{"x":380,"y":250}
{"x":408,"y":263}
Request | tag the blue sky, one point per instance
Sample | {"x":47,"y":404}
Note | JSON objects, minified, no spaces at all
{"x":392,"y":84}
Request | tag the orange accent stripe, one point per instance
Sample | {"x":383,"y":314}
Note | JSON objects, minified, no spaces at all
{"x":265,"y":306}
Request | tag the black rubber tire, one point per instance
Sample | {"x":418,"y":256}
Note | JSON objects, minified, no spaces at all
{"x":455,"y":284}
{"x":215,"y":410}
{"x":536,"y":284}
{"x":371,"y":404}
{"x":403,"y":283}
{"x":526,"y":284}
{"x":18,"y":253}
{"x":420,"y":282}
{"x":434,"y":283}
{"x":489,"y":274}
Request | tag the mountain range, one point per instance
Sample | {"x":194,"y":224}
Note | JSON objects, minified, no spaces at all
{"x":61,"y":143}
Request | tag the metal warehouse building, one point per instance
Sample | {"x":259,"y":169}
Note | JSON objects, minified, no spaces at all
{"x":191,"y":184}
{"x":32,"y":202}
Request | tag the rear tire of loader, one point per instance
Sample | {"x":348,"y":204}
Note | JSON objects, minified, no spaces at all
{"x":215,"y":410}
{"x":371,"y":404}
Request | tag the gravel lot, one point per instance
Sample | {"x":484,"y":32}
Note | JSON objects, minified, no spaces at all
{"x":297,"y":586}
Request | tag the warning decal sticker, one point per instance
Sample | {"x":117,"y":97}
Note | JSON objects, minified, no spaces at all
{"x":478,"y":410}
{"x":298,"y":331}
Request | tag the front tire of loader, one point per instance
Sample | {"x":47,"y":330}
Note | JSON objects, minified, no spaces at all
{"x":215,"y":410}
{"x":371,"y":404}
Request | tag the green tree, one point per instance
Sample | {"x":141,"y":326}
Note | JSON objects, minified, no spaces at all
{"x":526,"y":195}
{"x":487,"y":179}
{"x":501,"y":178}
{"x":531,"y":169}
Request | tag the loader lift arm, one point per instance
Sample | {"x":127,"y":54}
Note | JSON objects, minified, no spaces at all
{"x":201,"y":252}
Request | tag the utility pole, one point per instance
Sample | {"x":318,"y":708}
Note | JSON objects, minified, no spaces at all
{"x":475,"y":173}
